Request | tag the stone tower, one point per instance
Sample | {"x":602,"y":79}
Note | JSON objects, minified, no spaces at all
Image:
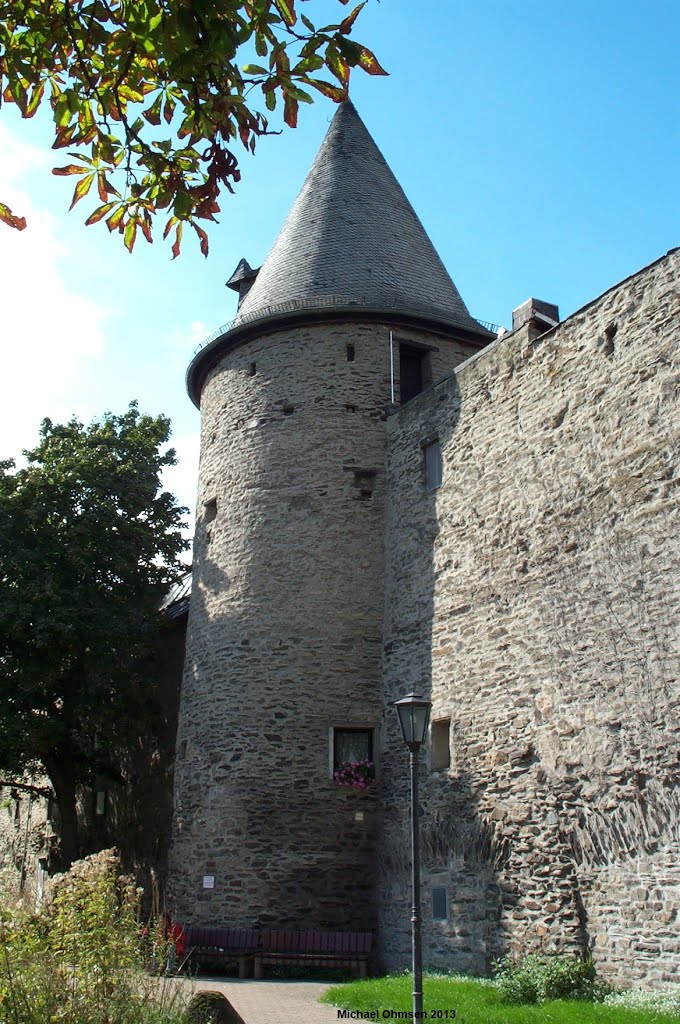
{"x":352,"y":311}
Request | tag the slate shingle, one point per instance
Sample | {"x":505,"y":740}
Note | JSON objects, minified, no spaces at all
{"x":353,"y":237}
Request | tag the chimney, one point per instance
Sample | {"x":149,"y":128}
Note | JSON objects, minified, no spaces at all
{"x":538,"y":315}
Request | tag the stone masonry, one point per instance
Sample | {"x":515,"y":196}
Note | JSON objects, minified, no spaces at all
{"x":285,"y":629}
{"x":534,"y":597}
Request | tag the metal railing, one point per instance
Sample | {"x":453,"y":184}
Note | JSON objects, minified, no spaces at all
{"x":323,"y":303}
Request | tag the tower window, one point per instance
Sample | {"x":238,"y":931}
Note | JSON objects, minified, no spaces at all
{"x":433,"y":465}
{"x":350,"y":353}
{"x":440,"y":753}
{"x":412,"y":371}
{"x":352,"y":746}
{"x":440,"y":909}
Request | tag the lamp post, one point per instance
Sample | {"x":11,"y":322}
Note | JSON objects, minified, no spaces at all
{"x":414,"y":716}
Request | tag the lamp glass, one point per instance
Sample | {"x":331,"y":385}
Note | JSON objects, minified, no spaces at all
{"x":414,"y":717}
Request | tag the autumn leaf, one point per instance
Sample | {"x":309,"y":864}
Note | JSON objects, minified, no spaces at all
{"x":100,"y":212}
{"x":336,"y":64}
{"x":286,"y":9}
{"x":69,"y":169}
{"x":203,"y":238}
{"x":153,"y":113}
{"x":82,"y":188}
{"x":369,"y":63}
{"x":35,"y":100}
{"x":290,"y":111}
{"x":116,"y":219}
{"x":145,"y":225}
{"x":334,"y":92}
{"x":130,"y":234}
{"x":11,"y":219}
{"x":168,"y":109}
{"x":178,"y":241}
{"x":346,"y":24}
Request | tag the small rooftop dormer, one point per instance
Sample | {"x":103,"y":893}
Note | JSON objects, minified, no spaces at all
{"x":242,"y":279}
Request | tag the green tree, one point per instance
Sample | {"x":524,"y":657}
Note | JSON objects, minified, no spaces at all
{"x":88,"y":541}
{"x":115,"y":71}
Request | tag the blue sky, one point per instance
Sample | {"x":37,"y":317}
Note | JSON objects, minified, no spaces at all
{"x":538,"y":143}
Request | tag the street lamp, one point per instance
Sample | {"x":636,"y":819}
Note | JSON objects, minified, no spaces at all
{"x":414,"y":716}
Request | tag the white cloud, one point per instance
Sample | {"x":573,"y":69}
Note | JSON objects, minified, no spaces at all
{"x":181,"y":479}
{"x":50,"y":335}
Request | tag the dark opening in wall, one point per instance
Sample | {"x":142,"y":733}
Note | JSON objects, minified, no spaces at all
{"x":434,"y":470}
{"x":413,"y":371}
{"x":210,"y":510}
{"x":364,"y":480}
{"x":253,"y":369}
{"x":608,"y":340}
{"x":350,"y":353}
{"x":440,"y":755}
{"x":440,"y":910}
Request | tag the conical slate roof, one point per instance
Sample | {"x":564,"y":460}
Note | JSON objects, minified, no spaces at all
{"x":352,"y":236}
{"x":352,"y":245}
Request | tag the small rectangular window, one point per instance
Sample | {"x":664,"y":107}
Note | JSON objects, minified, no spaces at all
{"x":352,"y":745}
{"x":433,"y":466}
{"x":412,"y":372}
{"x":100,"y":803}
{"x":353,"y":761}
{"x":440,"y":754}
{"x":350,"y":353}
{"x":440,"y":909}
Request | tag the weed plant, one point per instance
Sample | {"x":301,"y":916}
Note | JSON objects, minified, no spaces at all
{"x":83,"y":959}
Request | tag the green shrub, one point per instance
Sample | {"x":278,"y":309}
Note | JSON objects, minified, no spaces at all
{"x":81,"y":959}
{"x":536,"y":979}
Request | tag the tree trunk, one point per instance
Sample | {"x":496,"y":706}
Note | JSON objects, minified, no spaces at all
{"x":62,"y":778}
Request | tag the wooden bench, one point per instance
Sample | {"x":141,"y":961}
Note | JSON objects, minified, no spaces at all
{"x":215,"y":945}
{"x":314,"y":949}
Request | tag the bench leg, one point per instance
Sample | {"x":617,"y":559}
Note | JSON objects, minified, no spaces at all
{"x":258,"y":973}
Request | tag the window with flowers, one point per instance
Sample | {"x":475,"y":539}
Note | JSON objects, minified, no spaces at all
{"x":353,"y":758}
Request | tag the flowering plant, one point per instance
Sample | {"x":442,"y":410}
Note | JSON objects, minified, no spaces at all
{"x":358,"y":774}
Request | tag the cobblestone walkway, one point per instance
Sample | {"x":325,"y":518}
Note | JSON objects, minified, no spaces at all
{"x":270,"y":1002}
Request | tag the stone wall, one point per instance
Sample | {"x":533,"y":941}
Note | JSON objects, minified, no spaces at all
{"x":285,"y":630}
{"x":25,"y":837}
{"x":534,"y":596}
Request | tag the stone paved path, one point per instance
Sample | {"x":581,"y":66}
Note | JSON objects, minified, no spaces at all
{"x":270,"y":1002}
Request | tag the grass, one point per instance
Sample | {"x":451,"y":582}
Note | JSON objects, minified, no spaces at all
{"x":475,"y":1002}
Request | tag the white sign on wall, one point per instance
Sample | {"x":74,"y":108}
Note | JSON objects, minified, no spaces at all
{"x":208,"y":881}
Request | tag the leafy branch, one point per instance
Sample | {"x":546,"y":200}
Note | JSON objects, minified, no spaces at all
{"x":171,"y":65}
